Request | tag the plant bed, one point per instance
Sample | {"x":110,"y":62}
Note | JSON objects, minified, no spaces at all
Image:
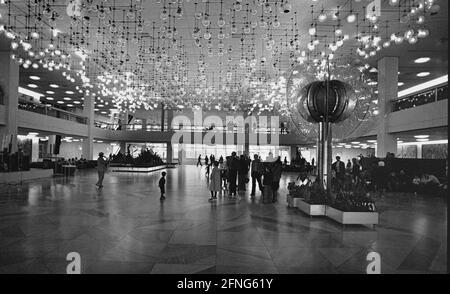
{"x":293,"y":201}
{"x":312,"y":209}
{"x":353,"y":218}
{"x":297,"y":202}
{"x":138,"y":169}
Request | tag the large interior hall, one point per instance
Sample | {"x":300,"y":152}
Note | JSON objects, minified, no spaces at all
{"x":223,"y":137}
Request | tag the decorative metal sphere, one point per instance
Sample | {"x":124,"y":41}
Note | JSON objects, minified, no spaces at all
{"x":314,"y":106}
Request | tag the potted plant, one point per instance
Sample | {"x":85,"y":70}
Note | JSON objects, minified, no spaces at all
{"x":315,"y":200}
{"x":353,"y":207}
{"x":147,"y":161}
{"x":296,"y":192}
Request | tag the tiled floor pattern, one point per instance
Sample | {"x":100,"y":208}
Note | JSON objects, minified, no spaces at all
{"x":124,"y":228}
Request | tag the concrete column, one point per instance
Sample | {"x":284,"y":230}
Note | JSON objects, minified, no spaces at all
{"x":144,"y":124}
{"x":169,"y":153}
{"x":247,"y":129}
{"x":123,"y":148}
{"x":88,"y":142}
{"x":169,"y":119}
{"x":293,"y":153}
{"x":419,"y":151}
{"x":124,"y":119}
{"x":387,"y":91}
{"x":9,"y":82}
{"x":163,"y":118}
{"x":35,"y":150}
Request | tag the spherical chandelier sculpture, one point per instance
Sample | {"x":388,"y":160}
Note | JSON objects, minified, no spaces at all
{"x":352,"y":116}
{"x":332,"y":101}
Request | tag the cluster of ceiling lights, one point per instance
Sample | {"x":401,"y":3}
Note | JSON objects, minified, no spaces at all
{"x":119,"y":55}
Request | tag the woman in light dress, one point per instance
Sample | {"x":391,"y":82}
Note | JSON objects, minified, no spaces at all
{"x":215,"y":182}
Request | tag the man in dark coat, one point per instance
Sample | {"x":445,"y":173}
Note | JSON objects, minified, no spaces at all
{"x":232,"y":173}
{"x":339,"y":168}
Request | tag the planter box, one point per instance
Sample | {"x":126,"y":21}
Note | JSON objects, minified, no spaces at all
{"x":293,"y":202}
{"x":297,"y":202}
{"x":312,"y":210}
{"x":290,"y":201}
{"x":353,"y":218}
{"x":132,"y":169}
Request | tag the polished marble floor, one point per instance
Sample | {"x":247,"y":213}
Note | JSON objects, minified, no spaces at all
{"x":124,"y":228}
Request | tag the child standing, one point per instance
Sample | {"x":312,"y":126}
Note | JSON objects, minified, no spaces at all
{"x":162,"y":185}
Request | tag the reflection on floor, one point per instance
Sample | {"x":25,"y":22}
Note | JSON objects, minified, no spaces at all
{"x":126,"y":229}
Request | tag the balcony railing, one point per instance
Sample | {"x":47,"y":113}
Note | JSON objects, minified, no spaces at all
{"x":53,"y":112}
{"x":192,"y":129}
{"x":431,"y":96}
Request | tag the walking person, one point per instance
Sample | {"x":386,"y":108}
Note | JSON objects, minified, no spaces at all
{"x":206,"y":160}
{"x":199,"y":162}
{"x":277,"y":170}
{"x":102,"y":167}
{"x":215,"y":182}
{"x":162,"y":185}
{"x":256,"y":173}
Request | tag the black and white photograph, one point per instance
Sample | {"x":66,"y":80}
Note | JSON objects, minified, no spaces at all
{"x":223,"y":144}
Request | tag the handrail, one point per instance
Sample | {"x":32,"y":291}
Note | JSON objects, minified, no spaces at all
{"x":193,"y":129}
{"x":419,"y":99}
{"x":51,"y":111}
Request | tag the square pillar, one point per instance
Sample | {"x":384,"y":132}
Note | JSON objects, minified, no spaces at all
{"x":169,"y":158}
{"x":88,"y":142}
{"x":144,"y":124}
{"x":163,"y":118}
{"x":9,"y":83}
{"x":170,"y":116}
{"x":387,"y":92}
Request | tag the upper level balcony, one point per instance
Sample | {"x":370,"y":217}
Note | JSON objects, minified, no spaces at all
{"x":420,"y":99}
{"x":52,"y":112}
{"x":33,"y":116}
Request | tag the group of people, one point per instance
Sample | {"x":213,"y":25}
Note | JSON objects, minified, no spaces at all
{"x":340,"y":169}
{"x":380,"y":178}
{"x":232,"y":175}
{"x":79,"y":163}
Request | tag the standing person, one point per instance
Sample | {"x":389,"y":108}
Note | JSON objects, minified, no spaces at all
{"x":349,"y":166}
{"x":339,"y":168}
{"x":232,"y":173}
{"x":285,"y":161}
{"x":223,"y":174}
{"x":162,"y":185}
{"x":277,"y":170}
{"x":208,"y":170}
{"x":199,"y":162}
{"x":215,"y":183}
{"x":257,"y":169}
{"x":102,"y":167}
{"x":270,"y":158}
{"x":356,"y":171}
{"x":267,"y":182}
{"x":221,"y":160}
{"x":243,"y":173}
{"x":380,"y":178}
